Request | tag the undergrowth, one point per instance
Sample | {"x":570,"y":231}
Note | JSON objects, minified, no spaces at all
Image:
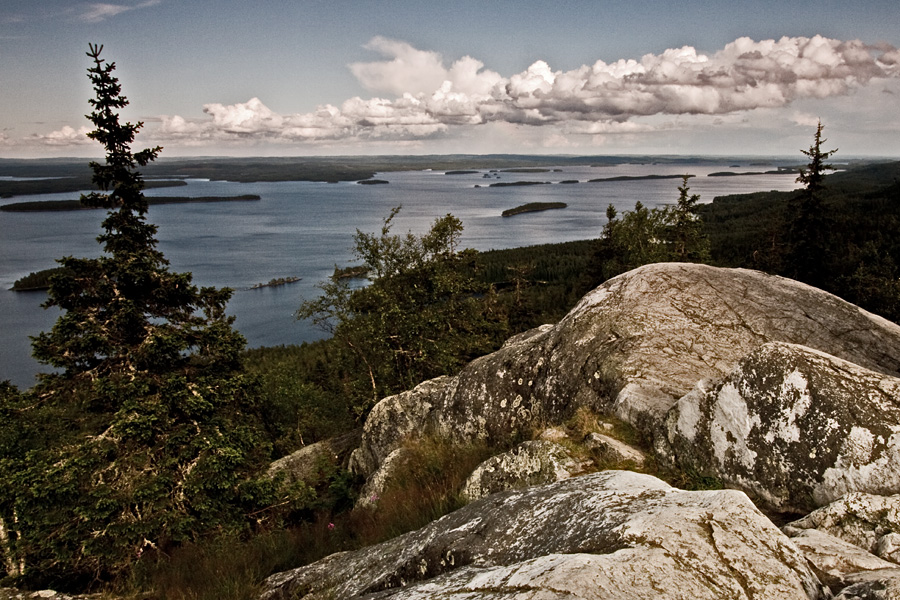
{"x":426,"y":487}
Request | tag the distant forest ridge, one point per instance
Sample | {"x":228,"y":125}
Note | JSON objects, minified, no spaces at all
{"x":72,"y":175}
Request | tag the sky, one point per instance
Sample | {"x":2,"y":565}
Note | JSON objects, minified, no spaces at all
{"x":311,"y":77}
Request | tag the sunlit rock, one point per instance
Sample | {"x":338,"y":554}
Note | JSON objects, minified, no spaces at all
{"x":796,"y":427}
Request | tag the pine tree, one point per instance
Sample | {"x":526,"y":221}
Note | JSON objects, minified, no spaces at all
{"x":125,"y":312}
{"x":688,"y":241}
{"x":148,"y":435}
{"x":810,"y":225}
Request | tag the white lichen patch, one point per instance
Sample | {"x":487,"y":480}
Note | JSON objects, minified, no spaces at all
{"x":731,"y":426}
{"x":786,"y":427}
{"x":857,"y":448}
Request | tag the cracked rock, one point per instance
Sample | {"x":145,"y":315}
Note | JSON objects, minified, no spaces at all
{"x":614,"y":534}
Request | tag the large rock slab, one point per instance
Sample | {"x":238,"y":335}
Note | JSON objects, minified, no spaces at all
{"x":614,"y":534}
{"x":635,"y":345}
{"x":796,"y":427}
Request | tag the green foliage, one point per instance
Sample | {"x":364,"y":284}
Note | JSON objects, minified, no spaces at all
{"x":299,"y":399}
{"x":644,"y":236}
{"x":423,"y":315}
{"x":861,"y":206}
{"x":150,"y":435}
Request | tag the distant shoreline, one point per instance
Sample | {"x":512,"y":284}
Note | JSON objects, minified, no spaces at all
{"x":62,"y":205}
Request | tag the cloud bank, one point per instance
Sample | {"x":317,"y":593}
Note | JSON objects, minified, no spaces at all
{"x":417,"y":95}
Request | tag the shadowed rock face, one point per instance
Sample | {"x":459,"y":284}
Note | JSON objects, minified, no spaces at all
{"x":797,"y":427}
{"x":634,"y":345}
{"x":613,"y":534}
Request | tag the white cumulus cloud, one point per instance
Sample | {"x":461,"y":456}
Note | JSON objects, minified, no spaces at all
{"x":66,"y":136}
{"x":418,"y":95}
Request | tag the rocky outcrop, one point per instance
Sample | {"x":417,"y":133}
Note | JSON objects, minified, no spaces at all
{"x":797,"y":427}
{"x":614,"y":534}
{"x":529,"y":463}
{"x":382,"y":478}
{"x":633,"y":346}
{"x":392,"y":421}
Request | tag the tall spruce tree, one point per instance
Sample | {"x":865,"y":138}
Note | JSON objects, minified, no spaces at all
{"x":810,"y":226}
{"x":147,"y":436}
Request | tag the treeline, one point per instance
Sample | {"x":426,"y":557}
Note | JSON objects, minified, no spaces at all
{"x":64,"y":184}
{"x":61,"y":205}
{"x":858,"y":254}
{"x":69,"y":175}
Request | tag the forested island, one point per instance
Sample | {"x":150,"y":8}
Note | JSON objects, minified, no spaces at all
{"x":61,"y":205}
{"x":275,"y":282}
{"x":533,"y":207}
{"x":517,"y":183}
{"x":635,"y":178}
{"x":38,"y":280}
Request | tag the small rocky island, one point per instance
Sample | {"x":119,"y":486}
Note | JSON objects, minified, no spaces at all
{"x":275,"y":282}
{"x":533,"y":207}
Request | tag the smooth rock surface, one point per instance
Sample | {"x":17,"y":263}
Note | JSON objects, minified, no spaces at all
{"x":796,"y":427}
{"x":634,"y":345}
{"x":529,"y":463}
{"x":614,"y":534}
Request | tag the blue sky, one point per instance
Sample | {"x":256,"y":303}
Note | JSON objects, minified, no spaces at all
{"x":226,"y":77}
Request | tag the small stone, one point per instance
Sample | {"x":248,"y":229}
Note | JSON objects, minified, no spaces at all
{"x":612,"y":450}
{"x":888,"y":547}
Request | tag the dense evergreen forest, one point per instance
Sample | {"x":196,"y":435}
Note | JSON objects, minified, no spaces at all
{"x":140,"y":466}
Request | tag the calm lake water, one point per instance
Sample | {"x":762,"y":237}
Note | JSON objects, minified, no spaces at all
{"x":304,"y":229}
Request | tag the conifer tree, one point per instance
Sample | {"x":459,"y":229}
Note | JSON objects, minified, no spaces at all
{"x":147,"y":436}
{"x":810,"y":226}
{"x":689,"y":243}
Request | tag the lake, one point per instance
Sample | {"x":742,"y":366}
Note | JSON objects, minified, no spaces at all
{"x":304,"y":229}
